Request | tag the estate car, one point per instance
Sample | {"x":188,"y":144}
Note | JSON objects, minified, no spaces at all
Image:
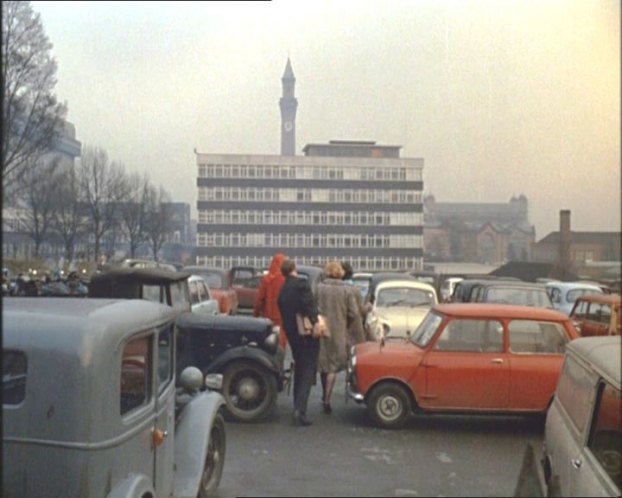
{"x":582,"y":454}
{"x":90,"y":406}
{"x":463,"y":358}
{"x":598,"y":314}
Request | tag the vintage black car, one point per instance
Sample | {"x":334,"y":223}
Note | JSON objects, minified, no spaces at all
{"x":243,"y":349}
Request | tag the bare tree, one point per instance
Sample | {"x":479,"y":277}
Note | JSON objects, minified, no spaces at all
{"x":69,"y":217}
{"x":32,"y":119}
{"x":158,"y":222}
{"x":133,"y":212}
{"x":39,"y":201}
{"x":103,"y":188}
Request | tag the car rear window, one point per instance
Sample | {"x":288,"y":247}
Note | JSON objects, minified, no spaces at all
{"x":135,"y":368}
{"x":524,"y":297}
{"x":530,"y":336}
{"x":14,"y":370}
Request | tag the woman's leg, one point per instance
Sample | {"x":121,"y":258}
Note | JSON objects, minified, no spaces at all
{"x":331,"y":377}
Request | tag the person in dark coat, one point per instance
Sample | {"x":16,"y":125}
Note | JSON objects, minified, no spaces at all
{"x":296,"y":297}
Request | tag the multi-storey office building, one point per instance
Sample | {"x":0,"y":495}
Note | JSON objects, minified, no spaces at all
{"x":351,"y":201}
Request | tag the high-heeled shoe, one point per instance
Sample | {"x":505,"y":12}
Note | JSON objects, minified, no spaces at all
{"x":327,"y":408}
{"x":301,"y":419}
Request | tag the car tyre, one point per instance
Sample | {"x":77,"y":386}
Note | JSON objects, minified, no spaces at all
{"x":389,"y":406}
{"x":249,"y":389}
{"x":214,"y":459}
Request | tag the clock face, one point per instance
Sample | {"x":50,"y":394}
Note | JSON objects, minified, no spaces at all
{"x":287,"y":126}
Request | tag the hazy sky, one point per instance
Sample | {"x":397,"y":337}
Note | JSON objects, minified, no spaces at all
{"x":499,"y":98}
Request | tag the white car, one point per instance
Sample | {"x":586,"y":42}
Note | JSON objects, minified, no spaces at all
{"x":564,"y":294}
{"x":201,"y":298}
{"x":398,"y":307}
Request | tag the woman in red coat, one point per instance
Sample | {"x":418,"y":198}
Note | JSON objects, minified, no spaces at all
{"x":269,"y":288}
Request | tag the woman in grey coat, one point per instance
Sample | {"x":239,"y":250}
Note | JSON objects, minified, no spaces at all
{"x":338,"y":305}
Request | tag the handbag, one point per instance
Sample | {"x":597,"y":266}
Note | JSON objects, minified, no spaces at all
{"x":304,"y":325}
{"x":306,"y":328}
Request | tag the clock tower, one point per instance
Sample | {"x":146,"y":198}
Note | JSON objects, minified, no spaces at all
{"x":288,"y":104}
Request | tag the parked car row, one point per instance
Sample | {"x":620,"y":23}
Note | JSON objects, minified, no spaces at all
{"x":472,"y":357}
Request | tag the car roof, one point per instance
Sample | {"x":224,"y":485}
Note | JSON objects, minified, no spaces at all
{"x":517,"y":284}
{"x":27,"y":320}
{"x":573,"y":285}
{"x":612,"y":299}
{"x":417,"y":284}
{"x":603,"y":353}
{"x":147,"y":275}
{"x":488,"y":310}
{"x":205,"y":269}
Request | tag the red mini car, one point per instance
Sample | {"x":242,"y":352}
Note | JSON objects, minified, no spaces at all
{"x":472,"y":357}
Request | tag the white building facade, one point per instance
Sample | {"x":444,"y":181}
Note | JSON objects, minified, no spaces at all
{"x":347,"y":201}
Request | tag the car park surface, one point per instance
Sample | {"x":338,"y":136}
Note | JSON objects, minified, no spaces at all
{"x":598,"y":314}
{"x":564,"y":294}
{"x":219,"y":282}
{"x":90,"y":406}
{"x":485,"y":358}
{"x":582,"y":454}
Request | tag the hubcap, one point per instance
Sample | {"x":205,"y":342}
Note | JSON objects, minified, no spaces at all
{"x":390,"y":407}
{"x":248,"y":389}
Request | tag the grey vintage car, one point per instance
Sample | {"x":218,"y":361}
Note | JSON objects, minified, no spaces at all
{"x":90,"y":404}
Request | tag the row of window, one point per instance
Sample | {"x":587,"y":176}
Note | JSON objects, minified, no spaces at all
{"x":274,"y":217}
{"x":274,"y":194}
{"x":386,"y":173}
{"x":362,"y":263}
{"x":308,"y":240}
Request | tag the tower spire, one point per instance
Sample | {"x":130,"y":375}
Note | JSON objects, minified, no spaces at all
{"x":288,"y":104}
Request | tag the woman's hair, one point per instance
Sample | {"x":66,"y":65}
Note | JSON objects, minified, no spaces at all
{"x":333,"y":269}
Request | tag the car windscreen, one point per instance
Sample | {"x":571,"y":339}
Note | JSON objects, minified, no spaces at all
{"x":426,"y":329}
{"x":404,"y":296}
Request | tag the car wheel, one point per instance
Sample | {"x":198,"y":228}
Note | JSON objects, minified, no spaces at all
{"x":214,"y":460}
{"x":389,"y":405}
{"x":249,"y":390}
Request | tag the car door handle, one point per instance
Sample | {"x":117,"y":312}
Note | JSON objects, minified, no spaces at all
{"x":576,"y":463}
{"x":496,"y":360}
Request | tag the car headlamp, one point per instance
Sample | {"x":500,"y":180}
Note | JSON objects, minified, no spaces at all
{"x":271,"y":343}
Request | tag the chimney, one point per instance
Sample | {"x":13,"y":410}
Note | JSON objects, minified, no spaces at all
{"x":565,"y":237}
